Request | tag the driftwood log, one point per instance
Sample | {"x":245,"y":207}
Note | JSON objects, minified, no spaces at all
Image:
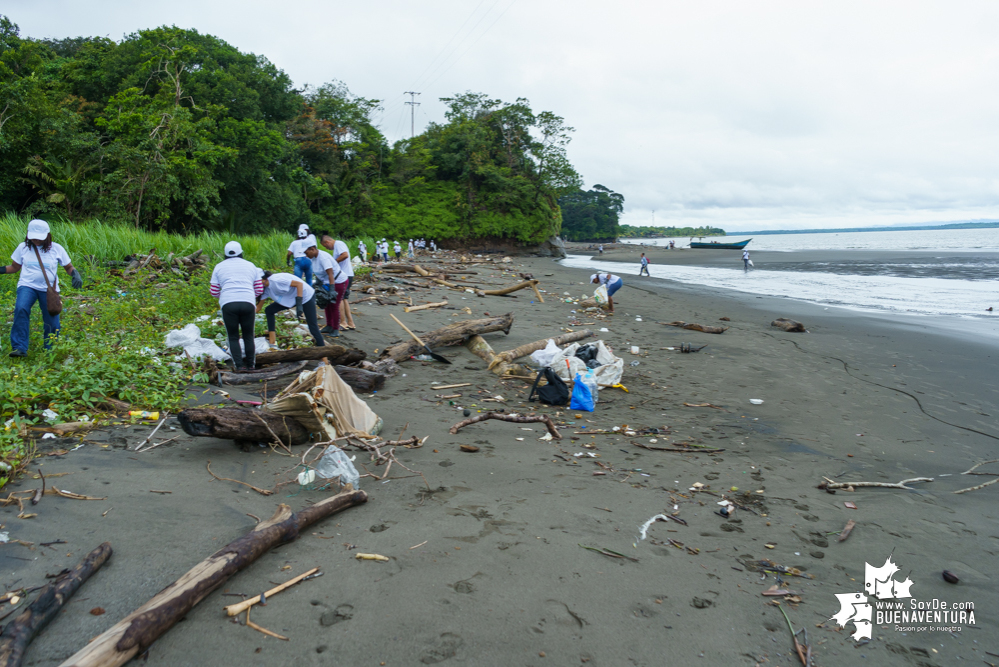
{"x":261,"y":374}
{"x":412,"y":309}
{"x":502,"y":363}
{"x":50,"y":601}
{"x":141,"y":628}
{"x":452,"y":334}
{"x":528,"y":348}
{"x":787,"y":325}
{"x":242,"y":424}
{"x":360,"y":380}
{"x":507,"y":417}
{"x":503,"y":291}
{"x":692,"y":326}
{"x":337,"y":354}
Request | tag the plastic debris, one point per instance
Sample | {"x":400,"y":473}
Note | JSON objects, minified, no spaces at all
{"x":644,"y":528}
{"x":756,"y":401}
{"x":334,"y":463}
{"x":49,"y":415}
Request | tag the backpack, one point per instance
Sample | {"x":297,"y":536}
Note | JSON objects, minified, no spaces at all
{"x":554,"y":393}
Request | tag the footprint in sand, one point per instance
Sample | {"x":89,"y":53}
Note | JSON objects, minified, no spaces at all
{"x":446,"y":646}
{"x":344,"y":612}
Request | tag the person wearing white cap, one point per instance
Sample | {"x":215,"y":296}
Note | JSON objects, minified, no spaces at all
{"x":341,"y":255}
{"x":296,"y":252}
{"x":362,"y":250}
{"x":37,"y":260}
{"x":237,"y":283}
{"x":334,"y":284}
{"x":411,"y":253}
{"x":384,"y":250}
{"x":286,"y":291}
{"x":398,"y":250}
{"x":611,"y":282}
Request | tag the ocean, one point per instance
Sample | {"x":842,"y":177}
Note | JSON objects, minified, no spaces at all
{"x":914,"y":273}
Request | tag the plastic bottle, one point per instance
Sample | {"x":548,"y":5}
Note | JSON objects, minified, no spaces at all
{"x":590,"y":379}
{"x":334,"y":463}
{"x":142,"y":414}
{"x":423,"y":357}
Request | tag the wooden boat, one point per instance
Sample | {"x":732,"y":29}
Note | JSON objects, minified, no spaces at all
{"x":721,"y":246}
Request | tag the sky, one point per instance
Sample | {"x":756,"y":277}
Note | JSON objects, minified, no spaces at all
{"x":741,"y":115}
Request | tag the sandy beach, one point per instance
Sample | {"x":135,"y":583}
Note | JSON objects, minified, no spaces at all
{"x":487,"y":565}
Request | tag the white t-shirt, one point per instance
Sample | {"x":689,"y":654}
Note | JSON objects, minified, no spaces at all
{"x":31,"y":273}
{"x":606,"y":279}
{"x":235,"y":280}
{"x":398,"y":248}
{"x":324,"y":261}
{"x":339,"y":247}
{"x":299,"y":246}
{"x":280,"y":290}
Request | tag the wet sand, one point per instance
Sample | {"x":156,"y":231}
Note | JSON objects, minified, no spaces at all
{"x":500,"y":578}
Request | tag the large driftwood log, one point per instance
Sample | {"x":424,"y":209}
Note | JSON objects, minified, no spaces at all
{"x":242,"y":424}
{"x":337,"y":354}
{"x":481,"y":348}
{"x":138,"y":630}
{"x":528,"y":348}
{"x":787,"y":325}
{"x":50,"y":601}
{"x":693,"y":326}
{"x":506,"y":417}
{"x":502,"y":363}
{"x":503,"y":291}
{"x":261,"y":374}
{"x":452,"y":334}
{"x":359,"y":379}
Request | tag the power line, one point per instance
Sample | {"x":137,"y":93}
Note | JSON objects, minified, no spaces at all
{"x":412,"y":112}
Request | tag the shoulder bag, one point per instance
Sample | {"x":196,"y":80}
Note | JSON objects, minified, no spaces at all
{"x":52,"y":300}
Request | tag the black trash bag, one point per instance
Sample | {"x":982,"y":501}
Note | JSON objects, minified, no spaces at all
{"x":593,"y":363}
{"x":587,"y":353}
{"x":323,"y":297}
{"x":554,"y":393}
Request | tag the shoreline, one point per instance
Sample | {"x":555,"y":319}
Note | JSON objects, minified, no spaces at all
{"x":485,"y":566}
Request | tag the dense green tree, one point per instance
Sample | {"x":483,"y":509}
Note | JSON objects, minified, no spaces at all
{"x":591,"y":215}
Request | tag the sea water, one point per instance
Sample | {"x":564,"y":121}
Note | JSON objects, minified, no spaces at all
{"x":952,"y":272}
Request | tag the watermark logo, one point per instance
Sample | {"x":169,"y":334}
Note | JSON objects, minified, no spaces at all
{"x":889,"y":601}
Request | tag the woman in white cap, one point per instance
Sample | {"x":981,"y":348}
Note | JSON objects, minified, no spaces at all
{"x":611,"y":282}
{"x":333,"y":283}
{"x":37,"y":259}
{"x":296,"y":252}
{"x":237,"y":284}
{"x":287,"y":291}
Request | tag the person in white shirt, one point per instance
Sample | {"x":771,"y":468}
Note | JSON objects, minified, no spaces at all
{"x":362,"y":250}
{"x":341,"y":255}
{"x":296,"y":253}
{"x":333,"y":285}
{"x":237,"y":284}
{"x":398,"y":250}
{"x":745,"y":260}
{"x":433,"y":246}
{"x":383,"y":250}
{"x":412,"y":254}
{"x":287,"y":291}
{"x":611,"y":282}
{"x":29,"y":258}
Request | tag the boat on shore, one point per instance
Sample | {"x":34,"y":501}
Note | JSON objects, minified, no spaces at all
{"x":721,"y":246}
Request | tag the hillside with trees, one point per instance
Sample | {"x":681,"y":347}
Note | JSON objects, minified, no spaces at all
{"x":169,"y":129}
{"x":591,"y":215}
{"x":630,"y":232}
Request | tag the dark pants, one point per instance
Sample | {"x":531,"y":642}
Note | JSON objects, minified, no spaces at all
{"x":309,"y":308}
{"x":238,"y":316}
{"x":645,"y":270}
{"x":745,"y":265}
{"x":21,"y":330}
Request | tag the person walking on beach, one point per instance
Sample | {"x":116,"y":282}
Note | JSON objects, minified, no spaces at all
{"x":362,"y":250}
{"x":287,"y":291}
{"x":37,"y":259}
{"x":745,"y":260}
{"x":600,"y":248}
{"x":237,"y":283}
{"x":333,"y":283}
{"x":384,"y":251}
{"x":645,"y":266}
{"x":341,"y":255}
{"x":412,"y":253}
{"x":296,"y":252}
{"x":611,"y":282}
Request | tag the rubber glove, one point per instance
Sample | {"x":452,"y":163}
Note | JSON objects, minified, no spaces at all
{"x":298,"y":307}
{"x":77,"y":279}
{"x":290,"y":261}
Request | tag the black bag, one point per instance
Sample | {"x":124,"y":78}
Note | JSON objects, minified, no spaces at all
{"x":554,"y":393}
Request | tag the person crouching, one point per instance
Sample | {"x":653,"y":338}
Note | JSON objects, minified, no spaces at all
{"x":286,"y":291}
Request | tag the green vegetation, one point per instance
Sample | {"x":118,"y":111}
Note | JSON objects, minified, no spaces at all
{"x":629,"y":232}
{"x":111,"y":343}
{"x":591,"y":215}
{"x":172,"y":130}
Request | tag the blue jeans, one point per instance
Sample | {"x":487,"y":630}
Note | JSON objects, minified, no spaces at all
{"x":19,"y":333}
{"x":303,"y":265}
{"x":614,"y":286}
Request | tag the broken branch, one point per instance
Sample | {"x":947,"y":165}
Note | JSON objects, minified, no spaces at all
{"x":515,"y":418}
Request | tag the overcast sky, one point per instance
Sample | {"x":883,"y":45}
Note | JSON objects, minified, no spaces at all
{"x":743,"y":115}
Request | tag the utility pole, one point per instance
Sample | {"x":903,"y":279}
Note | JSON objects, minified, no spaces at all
{"x":412,"y":112}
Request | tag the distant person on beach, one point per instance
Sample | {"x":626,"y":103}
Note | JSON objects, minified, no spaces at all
{"x":412,"y":253}
{"x":745,"y":260}
{"x":645,"y":266}
{"x":362,"y":250}
{"x":37,"y":259}
{"x":672,"y":244}
{"x":600,"y":248}
{"x":611,"y":282}
{"x":398,"y":250}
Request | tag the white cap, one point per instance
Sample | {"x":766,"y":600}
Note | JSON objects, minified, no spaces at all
{"x":38,"y":230}
{"x":233,"y":249}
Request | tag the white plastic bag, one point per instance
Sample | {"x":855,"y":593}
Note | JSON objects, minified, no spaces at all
{"x":607,"y":374}
{"x":183,"y":337}
{"x":600,"y":295}
{"x":260,"y":345}
{"x":544,"y":357}
{"x":334,"y":463}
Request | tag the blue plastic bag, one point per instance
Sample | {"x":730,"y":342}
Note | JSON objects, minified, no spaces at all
{"x":582,"y":398}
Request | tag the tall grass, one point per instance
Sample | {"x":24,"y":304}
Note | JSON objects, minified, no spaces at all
{"x":102,"y":241}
